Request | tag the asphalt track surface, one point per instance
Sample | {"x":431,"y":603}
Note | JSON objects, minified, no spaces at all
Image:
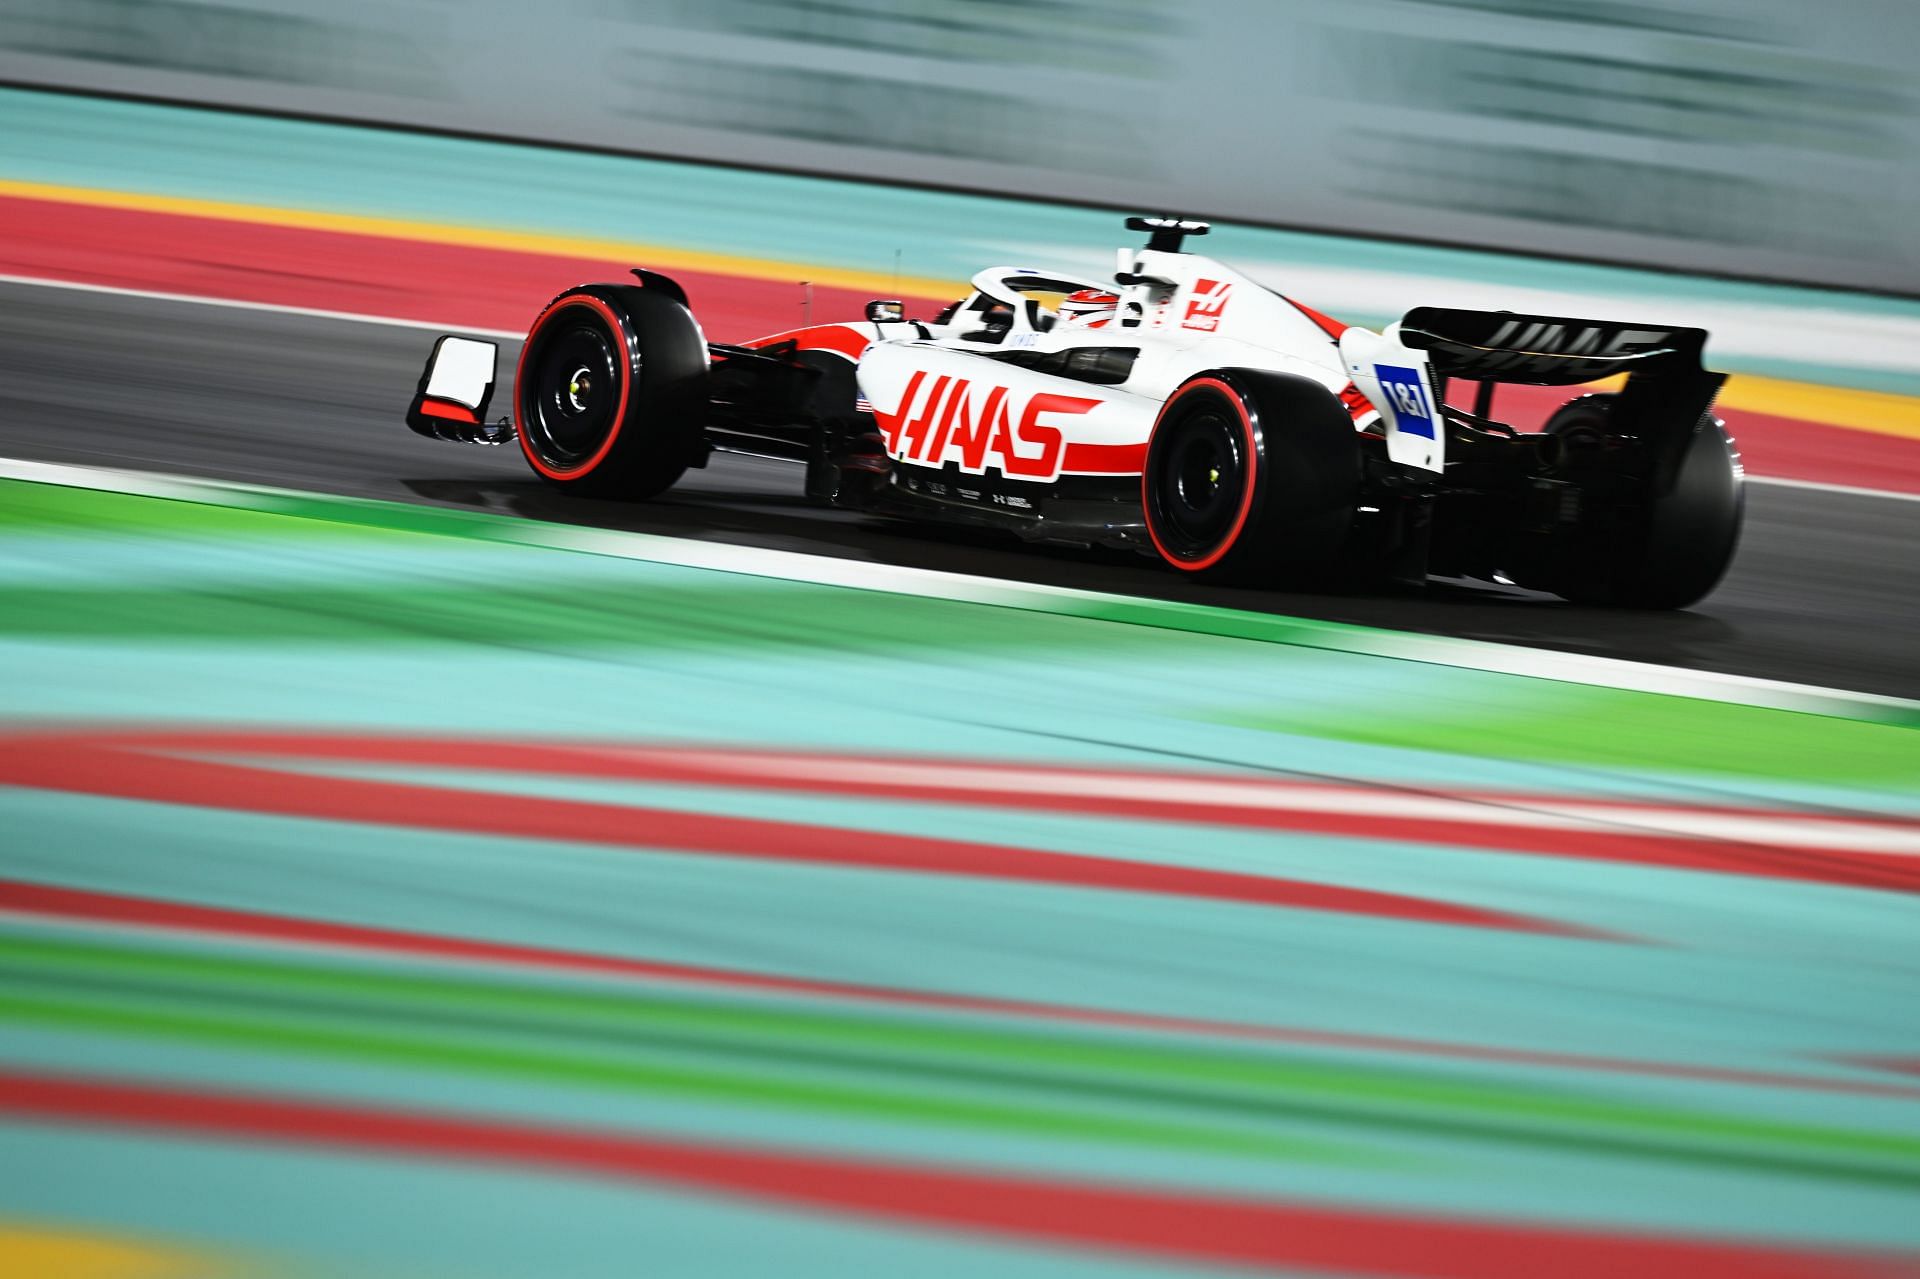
{"x":1825,"y":589}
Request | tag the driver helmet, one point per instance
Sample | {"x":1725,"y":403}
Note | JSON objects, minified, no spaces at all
{"x":1088,"y":308}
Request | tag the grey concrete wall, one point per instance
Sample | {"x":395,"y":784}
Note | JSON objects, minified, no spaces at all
{"x":1756,"y":137}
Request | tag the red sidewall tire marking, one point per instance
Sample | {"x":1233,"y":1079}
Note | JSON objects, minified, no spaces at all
{"x":619,"y":333}
{"x":1247,"y":491}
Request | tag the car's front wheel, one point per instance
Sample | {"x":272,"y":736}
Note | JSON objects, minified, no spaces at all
{"x":610,"y":391}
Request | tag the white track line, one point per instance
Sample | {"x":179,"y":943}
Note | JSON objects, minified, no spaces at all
{"x":820,"y":570}
{"x":1819,"y":486}
{"x":195,"y":299}
{"x":1889,"y":836}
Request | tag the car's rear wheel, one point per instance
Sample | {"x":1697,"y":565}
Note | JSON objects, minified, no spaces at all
{"x":610,"y":391}
{"x":1668,"y":541}
{"x":1251,"y":477}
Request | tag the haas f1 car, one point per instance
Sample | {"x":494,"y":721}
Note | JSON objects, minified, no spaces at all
{"x":1180,"y":409}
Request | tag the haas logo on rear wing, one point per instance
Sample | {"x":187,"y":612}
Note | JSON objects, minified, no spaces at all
{"x":1405,"y":371}
{"x":1499,"y":346}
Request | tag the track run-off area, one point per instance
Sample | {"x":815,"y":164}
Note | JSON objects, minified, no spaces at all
{"x":406,"y":871}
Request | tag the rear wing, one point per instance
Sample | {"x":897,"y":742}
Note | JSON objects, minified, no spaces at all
{"x":1499,"y":346}
{"x":1669,"y":390}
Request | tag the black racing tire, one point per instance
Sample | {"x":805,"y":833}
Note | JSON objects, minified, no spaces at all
{"x":1673,"y":545}
{"x":1251,"y":478}
{"x":610,"y":393}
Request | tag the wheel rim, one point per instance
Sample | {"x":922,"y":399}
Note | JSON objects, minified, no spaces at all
{"x":571,"y":396}
{"x":1198,"y":481}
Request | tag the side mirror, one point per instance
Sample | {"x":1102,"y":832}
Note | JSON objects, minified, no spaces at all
{"x":886,"y":312}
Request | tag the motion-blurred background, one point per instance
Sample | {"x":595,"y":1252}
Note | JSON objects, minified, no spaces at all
{"x":407,"y":870}
{"x":1755,"y":137}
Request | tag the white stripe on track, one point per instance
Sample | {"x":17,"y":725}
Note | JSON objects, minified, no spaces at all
{"x":1778,"y":829}
{"x":820,"y":570}
{"x":1820,"y":486}
{"x":277,"y":308}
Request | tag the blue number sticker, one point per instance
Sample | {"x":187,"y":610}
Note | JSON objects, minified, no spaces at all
{"x":1408,"y":399}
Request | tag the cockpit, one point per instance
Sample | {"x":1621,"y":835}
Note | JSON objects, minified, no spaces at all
{"x":1010,"y":301}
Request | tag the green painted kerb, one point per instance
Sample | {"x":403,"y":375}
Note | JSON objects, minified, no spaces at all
{"x":1061,"y":1083}
{"x":1602,"y":728}
{"x":1611,"y":695}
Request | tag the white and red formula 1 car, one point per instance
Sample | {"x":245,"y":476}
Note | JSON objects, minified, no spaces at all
{"x":1180,"y":408}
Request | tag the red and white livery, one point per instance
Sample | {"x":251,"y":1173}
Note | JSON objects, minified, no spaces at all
{"x":1179,"y":407}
